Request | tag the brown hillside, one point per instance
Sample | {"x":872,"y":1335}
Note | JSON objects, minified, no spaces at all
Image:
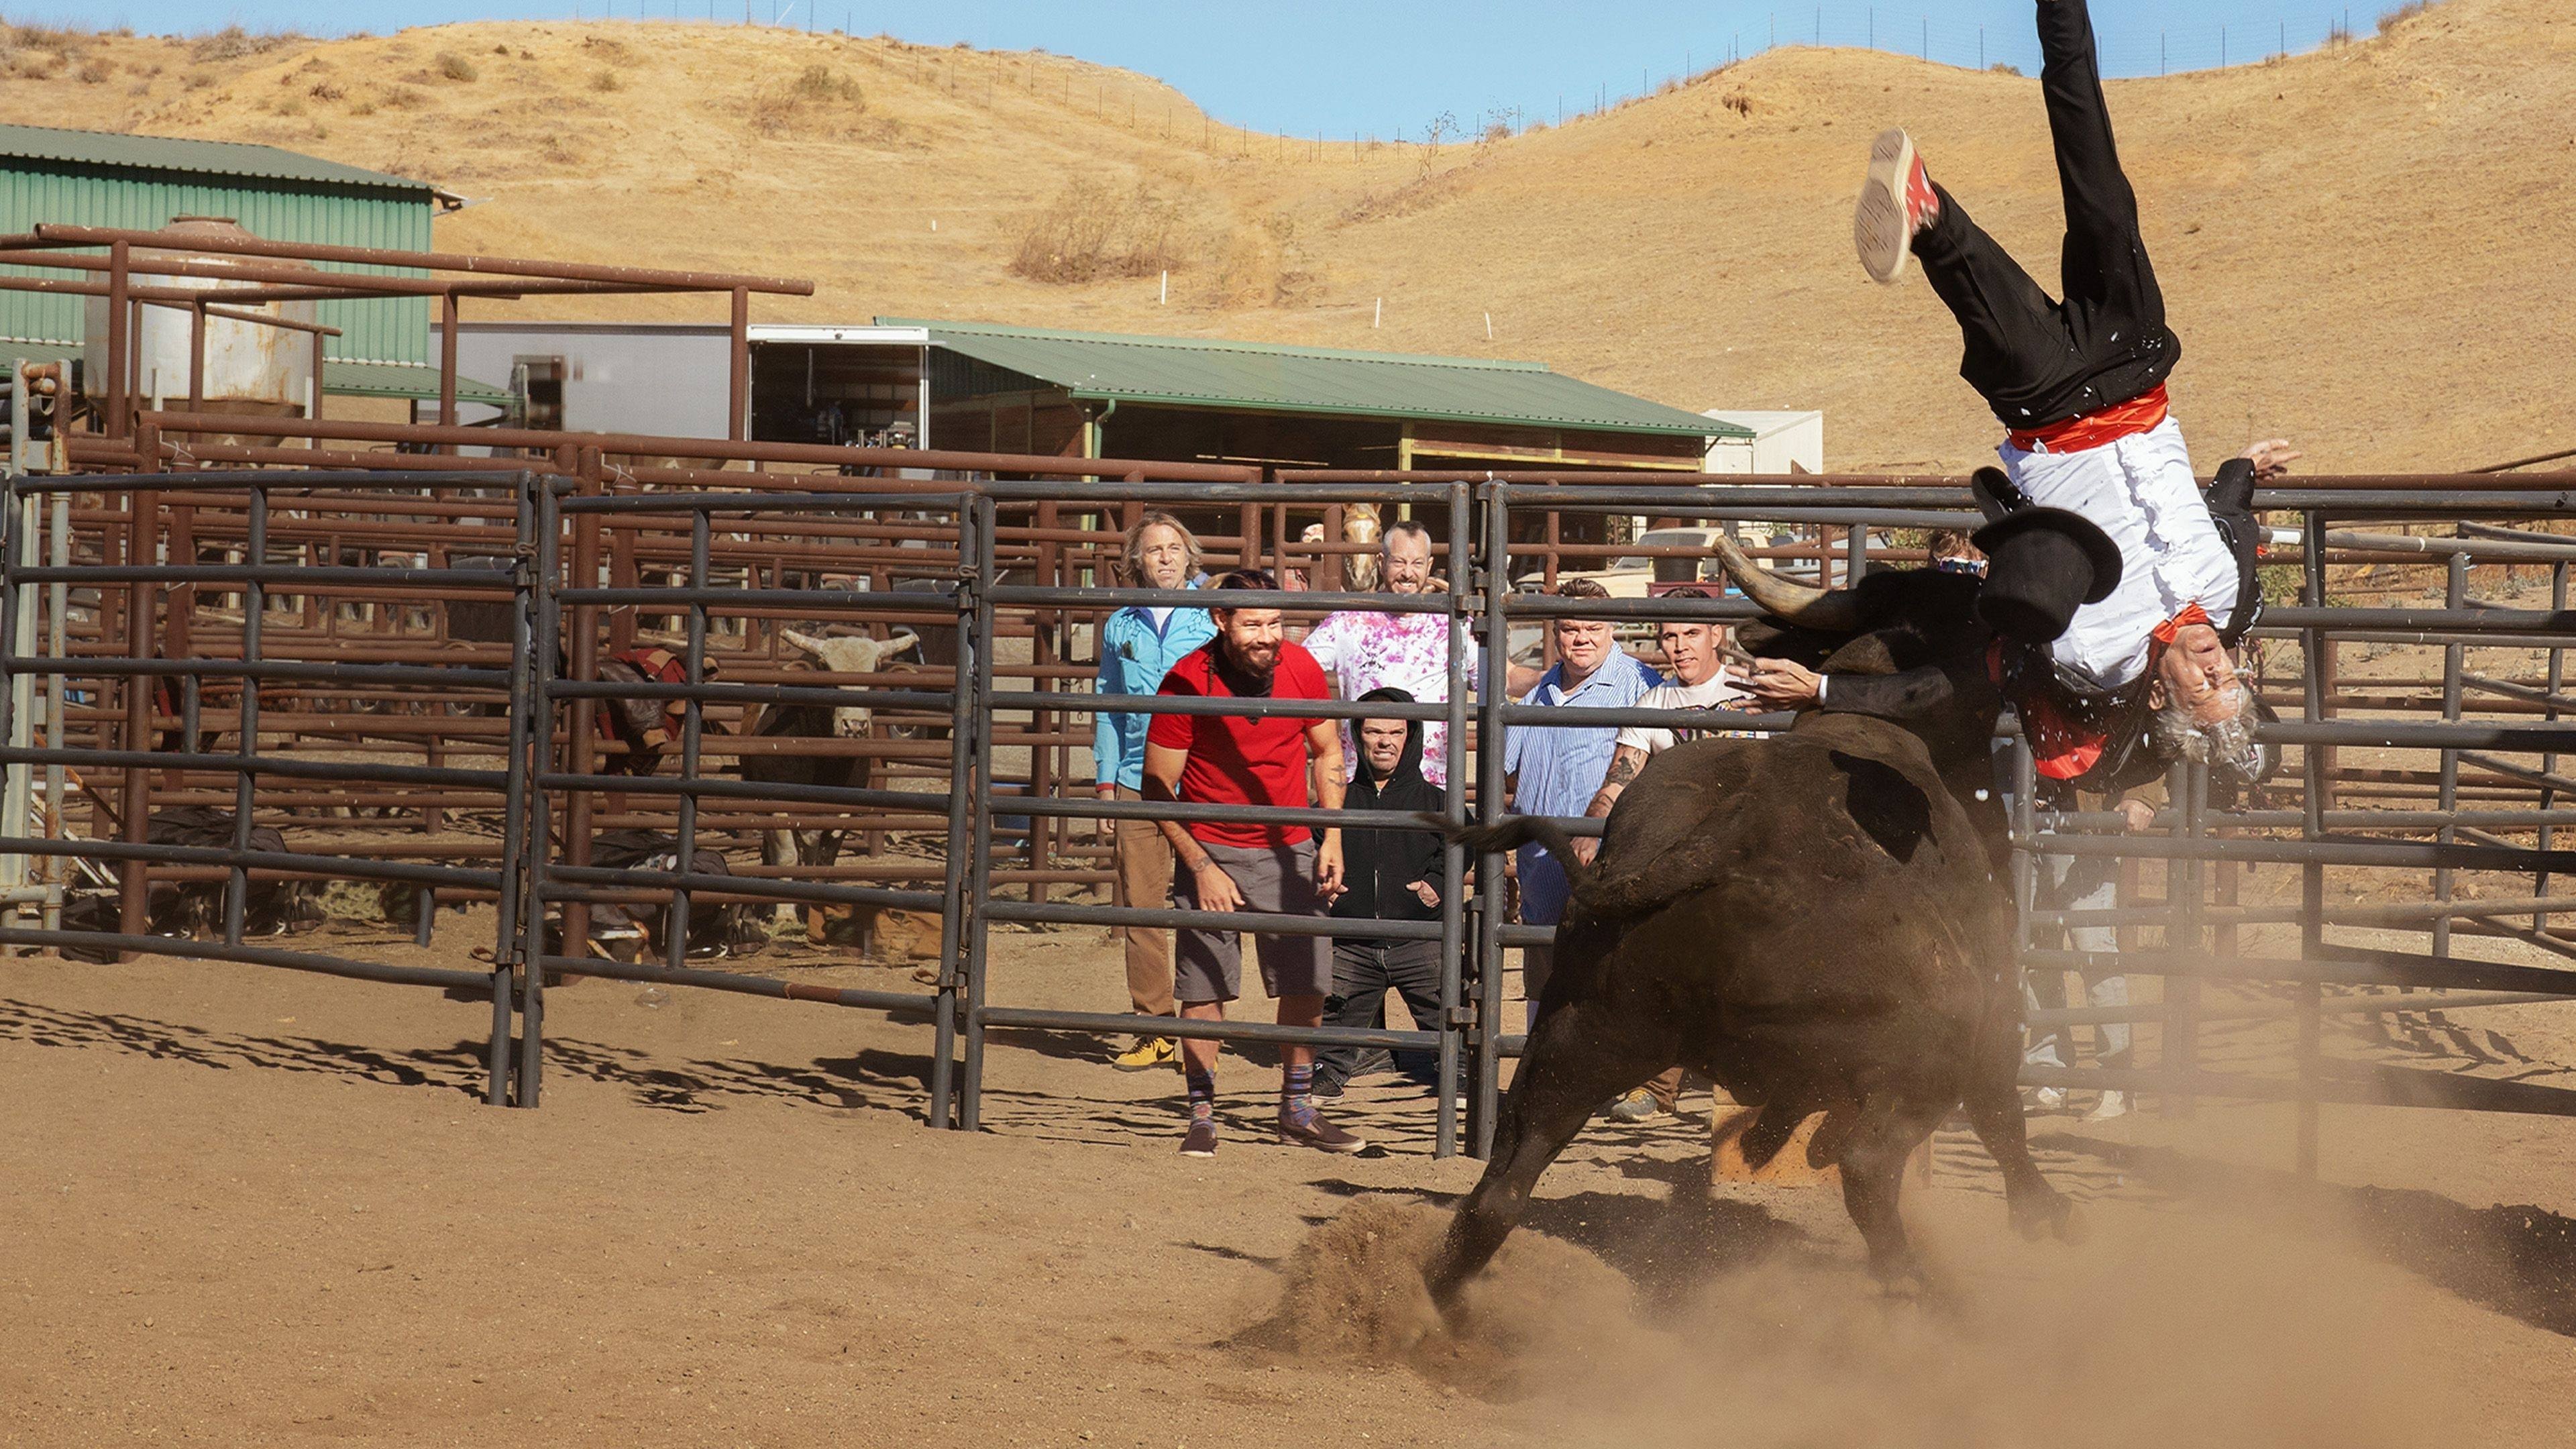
{"x":2361,"y":247}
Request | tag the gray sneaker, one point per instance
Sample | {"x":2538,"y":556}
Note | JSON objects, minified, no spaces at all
{"x":1200,"y":1140}
{"x":1637,"y":1106}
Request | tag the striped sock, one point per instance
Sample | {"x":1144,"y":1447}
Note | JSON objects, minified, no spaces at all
{"x":1297,"y":1092}
{"x":1202,"y":1094}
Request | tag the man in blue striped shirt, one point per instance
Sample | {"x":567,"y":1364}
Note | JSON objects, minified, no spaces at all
{"x":1138,"y":646}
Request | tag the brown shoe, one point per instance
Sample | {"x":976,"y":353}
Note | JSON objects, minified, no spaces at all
{"x":1311,"y":1130}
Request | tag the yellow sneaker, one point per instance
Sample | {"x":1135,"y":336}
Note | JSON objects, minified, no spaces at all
{"x":1148,"y":1053}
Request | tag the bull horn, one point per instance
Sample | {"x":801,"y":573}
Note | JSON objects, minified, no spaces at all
{"x":1833,"y":611}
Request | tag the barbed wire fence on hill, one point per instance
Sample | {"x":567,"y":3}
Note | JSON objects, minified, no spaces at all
{"x":1149,"y":106}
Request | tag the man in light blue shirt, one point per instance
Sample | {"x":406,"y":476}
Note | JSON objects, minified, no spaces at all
{"x":1556,"y":770}
{"x":1138,"y":646}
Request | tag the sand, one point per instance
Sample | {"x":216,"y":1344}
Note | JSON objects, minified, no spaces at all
{"x":249,"y":1207}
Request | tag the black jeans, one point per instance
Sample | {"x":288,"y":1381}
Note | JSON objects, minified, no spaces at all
{"x":2035,"y":361}
{"x":1363,"y":973}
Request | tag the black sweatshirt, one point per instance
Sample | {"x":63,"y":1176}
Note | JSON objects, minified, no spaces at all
{"x":1379,"y":866}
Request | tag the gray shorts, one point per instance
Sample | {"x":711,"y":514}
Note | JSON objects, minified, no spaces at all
{"x":1277,"y":880}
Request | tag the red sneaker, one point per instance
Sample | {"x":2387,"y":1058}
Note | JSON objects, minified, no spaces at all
{"x":1895,"y":202}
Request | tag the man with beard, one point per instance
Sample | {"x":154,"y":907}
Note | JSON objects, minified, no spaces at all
{"x":1263,"y":760}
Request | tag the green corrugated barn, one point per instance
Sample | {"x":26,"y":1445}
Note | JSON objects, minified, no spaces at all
{"x":97,"y":178}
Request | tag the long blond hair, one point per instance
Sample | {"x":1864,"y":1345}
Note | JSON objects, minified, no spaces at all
{"x":1131,"y":553}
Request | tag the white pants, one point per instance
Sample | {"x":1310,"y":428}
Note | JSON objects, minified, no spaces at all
{"x":2078,"y":883}
{"x":2139,"y":490}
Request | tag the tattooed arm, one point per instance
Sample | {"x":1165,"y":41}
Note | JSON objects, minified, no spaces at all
{"x":1624,"y":766}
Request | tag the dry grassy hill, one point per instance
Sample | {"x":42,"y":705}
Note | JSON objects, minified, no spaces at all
{"x":2362,"y":247}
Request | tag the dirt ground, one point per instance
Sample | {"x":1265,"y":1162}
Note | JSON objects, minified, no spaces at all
{"x":251,"y":1207}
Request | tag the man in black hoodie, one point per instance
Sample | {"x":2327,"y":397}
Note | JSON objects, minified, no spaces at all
{"x":1388,"y":875}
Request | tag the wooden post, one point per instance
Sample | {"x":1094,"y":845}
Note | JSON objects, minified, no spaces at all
{"x":447,"y":310}
{"x":738,"y":392}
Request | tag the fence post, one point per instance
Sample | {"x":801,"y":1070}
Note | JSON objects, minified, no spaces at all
{"x":2549,"y":763}
{"x":1487,"y":1063}
{"x":539,"y":816}
{"x":1455,"y":1014}
{"x":976,"y":674}
{"x":245,"y":777}
{"x":134,"y":875}
{"x":955,"y":905}
{"x":2312,"y":876}
{"x":510,"y":953}
{"x":2455,"y":596}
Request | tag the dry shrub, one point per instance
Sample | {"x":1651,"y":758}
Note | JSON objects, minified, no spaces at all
{"x":1091,"y":232}
{"x":819,"y":100}
{"x":2004,"y":67}
{"x":326,"y":91}
{"x":1741,"y":102}
{"x":291,"y":106}
{"x":607,"y":47}
{"x":604,"y":79}
{"x":363,"y":108}
{"x":60,"y":39}
{"x":96,"y":72}
{"x":197,"y":80}
{"x":456,"y":67}
{"x":234,"y":43}
{"x":2402,"y":14}
{"x":403,"y":98}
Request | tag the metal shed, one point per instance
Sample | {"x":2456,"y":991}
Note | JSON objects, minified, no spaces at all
{"x":97,"y":178}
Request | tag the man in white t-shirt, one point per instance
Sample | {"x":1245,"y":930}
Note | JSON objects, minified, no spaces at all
{"x":1699,"y":679}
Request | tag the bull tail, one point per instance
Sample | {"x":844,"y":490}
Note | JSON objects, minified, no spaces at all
{"x":1510,"y":834}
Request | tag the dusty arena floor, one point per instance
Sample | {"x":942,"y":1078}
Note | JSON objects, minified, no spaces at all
{"x":247,"y":1207}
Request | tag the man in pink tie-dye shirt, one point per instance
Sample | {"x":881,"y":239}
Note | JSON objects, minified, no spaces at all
{"x":1362,"y":650}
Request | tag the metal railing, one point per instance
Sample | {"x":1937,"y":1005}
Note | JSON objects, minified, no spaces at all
{"x":583,"y":556}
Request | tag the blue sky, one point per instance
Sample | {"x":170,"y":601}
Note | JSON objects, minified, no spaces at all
{"x":1378,"y":66}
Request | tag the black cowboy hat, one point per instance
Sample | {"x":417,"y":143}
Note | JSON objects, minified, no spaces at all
{"x":2043,"y":563}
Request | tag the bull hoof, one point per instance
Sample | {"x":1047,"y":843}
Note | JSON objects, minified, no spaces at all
{"x":2071,"y":1226}
{"x":1905,"y":1282}
{"x":2050,"y":1216}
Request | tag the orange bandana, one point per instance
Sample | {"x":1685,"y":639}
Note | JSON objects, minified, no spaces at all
{"x":2192,"y":613}
{"x":2091,"y":430}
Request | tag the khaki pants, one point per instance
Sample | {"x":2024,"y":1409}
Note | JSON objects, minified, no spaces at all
{"x":1145,"y":880}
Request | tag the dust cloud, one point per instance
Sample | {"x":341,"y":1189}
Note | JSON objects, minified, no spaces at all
{"x":2164,"y":1330}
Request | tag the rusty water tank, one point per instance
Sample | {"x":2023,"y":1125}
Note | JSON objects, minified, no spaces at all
{"x":249,"y":368}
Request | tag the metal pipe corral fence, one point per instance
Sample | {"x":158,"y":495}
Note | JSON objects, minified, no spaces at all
{"x":539,"y":658}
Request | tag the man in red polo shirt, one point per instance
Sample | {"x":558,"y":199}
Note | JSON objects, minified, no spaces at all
{"x":1278,"y":758}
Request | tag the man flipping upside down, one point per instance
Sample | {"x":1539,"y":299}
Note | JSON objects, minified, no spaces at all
{"x":2079,"y":385}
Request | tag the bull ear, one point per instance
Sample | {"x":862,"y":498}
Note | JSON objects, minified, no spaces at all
{"x":806,"y":642}
{"x":1834,"y":611}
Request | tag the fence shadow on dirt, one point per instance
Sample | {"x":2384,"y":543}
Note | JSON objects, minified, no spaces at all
{"x":2517,"y":1259}
{"x":872,"y":1079}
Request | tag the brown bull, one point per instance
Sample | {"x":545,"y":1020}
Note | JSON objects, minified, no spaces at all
{"x":1812,"y":920}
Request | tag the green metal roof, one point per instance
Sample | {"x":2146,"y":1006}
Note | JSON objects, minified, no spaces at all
{"x":168,"y":153}
{"x":1207,"y":372}
{"x":402,"y":379}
